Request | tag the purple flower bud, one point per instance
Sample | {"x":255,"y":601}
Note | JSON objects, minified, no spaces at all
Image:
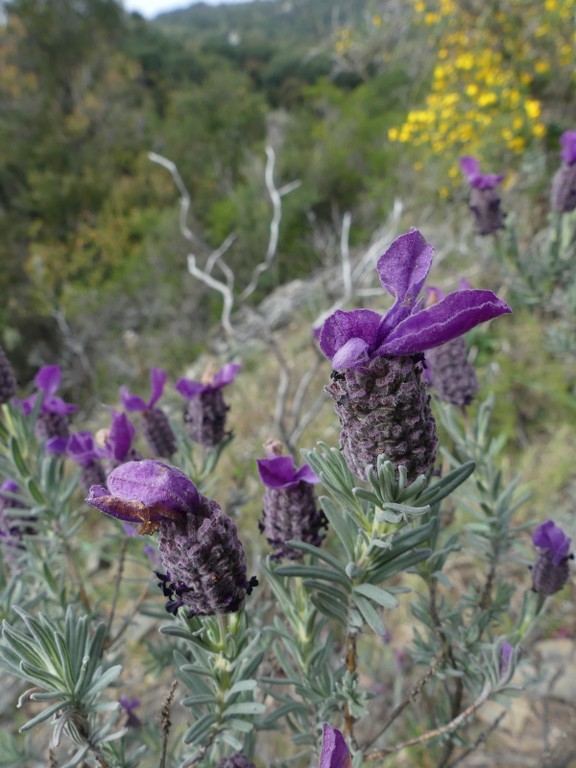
{"x":205,"y":413}
{"x":290,"y":511}
{"x":380,"y":398}
{"x":550,"y":572}
{"x":155,"y":424}
{"x":199,"y":545}
{"x":335,"y":753}
{"x":484,"y":199}
{"x":53,"y":419}
{"x":563,"y":192}
{"x":129,"y":705}
{"x":7,"y":379}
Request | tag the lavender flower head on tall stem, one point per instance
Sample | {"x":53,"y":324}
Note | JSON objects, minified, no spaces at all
{"x":205,"y":411}
{"x":484,"y":199}
{"x":550,"y":572}
{"x":380,"y":398}
{"x":290,"y":511}
{"x":563,"y":191}
{"x":155,"y":424}
{"x":204,"y":559}
{"x":53,"y":419}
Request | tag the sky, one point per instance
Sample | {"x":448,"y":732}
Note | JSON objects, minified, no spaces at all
{"x":151,"y":8}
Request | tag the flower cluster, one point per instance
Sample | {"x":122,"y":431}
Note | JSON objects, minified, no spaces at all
{"x":550,"y":572}
{"x":380,"y":398}
{"x":200,"y":550}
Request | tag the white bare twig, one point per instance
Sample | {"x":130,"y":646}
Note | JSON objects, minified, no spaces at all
{"x":276,"y":196}
{"x":185,"y":200}
{"x":345,"y":253}
{"x":216,"y":285}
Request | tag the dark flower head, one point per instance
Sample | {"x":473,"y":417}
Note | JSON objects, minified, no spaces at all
{"x":290,"y":510}
{"x":550,"y":572}
{"x":199,"y":547}
{"x":470,"y":167}
{"x":353,"y":339}
{"x":155,"y":425}
{"x":334,"y":753}
{"x":205,"y":412}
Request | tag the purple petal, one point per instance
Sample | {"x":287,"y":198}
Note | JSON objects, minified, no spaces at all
{"x":56,"y":445}
{"x":550,"y":536}
{"x":158,"y":378}
{"x":456,"y":314}
{"x":568,"y":141}
{"x":470,"y":167}
{"x":226,"y":375}
{"x":48,"y":378}
{"x":81,"y":447}
{"x":334,"y":752}
{"x":190,"y":389}
{"x":360,"y":325}
{"x":120,"y":436}
{"x":132,"y":402}
{"x":9,"y":485}
{"x":281,"y":472}
{"x":154,"y":483}
{"x":122,"y":509}
{"x":402,"y":271}
{"x":53,"y":404}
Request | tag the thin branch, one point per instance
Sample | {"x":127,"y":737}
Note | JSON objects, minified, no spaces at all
{"x":450,"y":727}
{"x":345,"y":254}
{"x":166,"y":722}
{"x":416,"y":690}
{"x":480,"y":740}
{"x":118,"y":581}
{"x":276,"y":198}
{"x":185,"y":200}
{"x":216,"y":285}
{"x":215,"y":258}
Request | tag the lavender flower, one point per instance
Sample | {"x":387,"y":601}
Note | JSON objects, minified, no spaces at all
{"x":53,"y":419}
{"x":484,"y":199}
{"x":199,"y":546}
{"x":116,"y":442}
{"x":155,"y":425}
{"x":380,"y":398}
{"x":205,"y":413}
{"x":81,"y":448}
{"x":563,"y":192}
{"x":550,"y":572}
{"x":129,"y":705}
{"x":506,"y":652}
{"x":290,"y":510}
{"x":13,"y":527}
{"x":7,"y":379}
{"x":334,"y":753}
{"x":447,"y":367}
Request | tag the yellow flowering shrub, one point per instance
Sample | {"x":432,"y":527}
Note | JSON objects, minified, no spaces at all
{"x":488,"y":86}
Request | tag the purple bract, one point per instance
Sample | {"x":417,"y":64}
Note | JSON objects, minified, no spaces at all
{"x":47,"y":380}
{"x":145,"y":492}
{"x":158,"y":378}
{"x":226,"y":375}
{"x":551,"y":537}
{"x":281,"y":472}
{"x":568,"y":142}
{"x":352,"y":339}
{"x":470,"y":167}
{"x":335,"y":753}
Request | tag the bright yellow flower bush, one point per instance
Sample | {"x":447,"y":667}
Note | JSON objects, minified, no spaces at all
{"x":482,"y":98}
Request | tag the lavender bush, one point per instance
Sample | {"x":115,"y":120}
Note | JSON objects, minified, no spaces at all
{"x":270,"y":668}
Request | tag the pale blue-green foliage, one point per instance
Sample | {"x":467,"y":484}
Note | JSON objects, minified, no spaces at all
{"x":222,"y":698}
{"x":64,"y":661}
